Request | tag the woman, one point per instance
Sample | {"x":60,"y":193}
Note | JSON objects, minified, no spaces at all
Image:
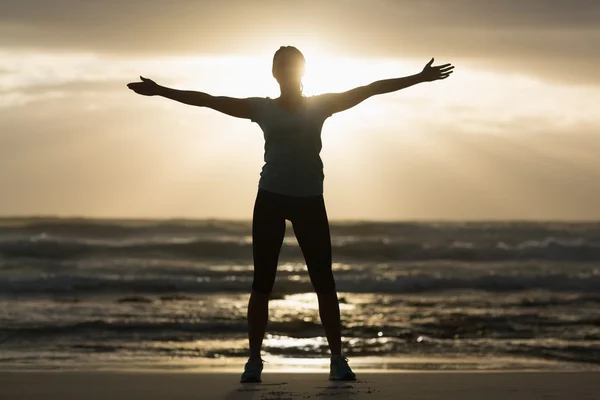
{"x":291,"y":186}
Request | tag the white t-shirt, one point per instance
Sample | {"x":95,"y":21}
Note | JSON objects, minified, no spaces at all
{"x":293,"y":165}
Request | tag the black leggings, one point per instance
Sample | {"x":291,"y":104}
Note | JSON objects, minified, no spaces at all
{"x":309,"y":220}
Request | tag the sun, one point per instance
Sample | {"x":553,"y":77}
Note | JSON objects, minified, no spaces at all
{"x":332,"y":74}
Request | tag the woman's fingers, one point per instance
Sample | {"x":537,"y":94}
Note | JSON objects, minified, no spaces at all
{"x":144,"y":83}
{"x":147,"y":87}
{"x":147,"y":80}
{"x":444,"y":69}
{"x":136,"y":86}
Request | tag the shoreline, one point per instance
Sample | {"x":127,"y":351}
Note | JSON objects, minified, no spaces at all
{"x":364,"y":364}
{"x":431,"y":385}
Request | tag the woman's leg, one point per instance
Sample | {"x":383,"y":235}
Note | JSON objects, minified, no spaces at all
{"x":268,"y":230}
{"x":311,"y":227}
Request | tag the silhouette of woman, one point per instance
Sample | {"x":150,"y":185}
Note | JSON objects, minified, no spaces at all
{"x":291,"y":186}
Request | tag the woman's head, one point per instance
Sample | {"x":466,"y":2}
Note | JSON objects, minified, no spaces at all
{"x":288,"y":67}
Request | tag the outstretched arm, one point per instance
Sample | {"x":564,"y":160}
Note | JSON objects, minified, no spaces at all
{"x":227,"y":105}
{"x":336,"y":102}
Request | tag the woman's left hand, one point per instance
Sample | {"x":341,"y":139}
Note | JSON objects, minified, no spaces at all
{"x":430,"y":73}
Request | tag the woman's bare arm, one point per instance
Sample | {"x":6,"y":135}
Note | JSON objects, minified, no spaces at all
{"x":228,"y":105}
{"x":336,"y":102}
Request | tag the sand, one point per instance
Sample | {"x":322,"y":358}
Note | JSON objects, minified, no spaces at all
{"x":57,"y":385}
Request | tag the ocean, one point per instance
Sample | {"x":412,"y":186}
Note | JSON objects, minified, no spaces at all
{"x":413,"y":295}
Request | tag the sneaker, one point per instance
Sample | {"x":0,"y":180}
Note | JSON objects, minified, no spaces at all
{"x":339,"y":370}
{"x":252,"y":370}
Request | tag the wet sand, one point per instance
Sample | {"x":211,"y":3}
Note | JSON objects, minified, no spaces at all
{"x":59,"y":385}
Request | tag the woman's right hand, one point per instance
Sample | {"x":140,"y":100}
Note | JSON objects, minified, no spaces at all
{"x":430,"y":73}
{"x":147,"y":87}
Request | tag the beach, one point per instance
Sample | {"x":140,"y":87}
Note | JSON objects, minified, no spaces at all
{"x":127,"y":309}
{"x":51,"y":385}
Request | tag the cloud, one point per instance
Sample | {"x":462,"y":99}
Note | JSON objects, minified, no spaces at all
{"x":553,"y":39}
{"x":509,"y":136}
{"x":469,"y":147}
{"x":497,"y":14}
{"x":529,"y":171}
{"x":136,"y":159}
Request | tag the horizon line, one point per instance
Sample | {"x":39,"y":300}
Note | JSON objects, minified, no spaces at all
{"x":33,"y":217}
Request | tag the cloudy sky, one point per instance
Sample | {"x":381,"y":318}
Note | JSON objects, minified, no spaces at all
{"x":514,"y":133}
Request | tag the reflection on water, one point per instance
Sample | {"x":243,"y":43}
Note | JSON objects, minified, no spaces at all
{"x":412,"y":295}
